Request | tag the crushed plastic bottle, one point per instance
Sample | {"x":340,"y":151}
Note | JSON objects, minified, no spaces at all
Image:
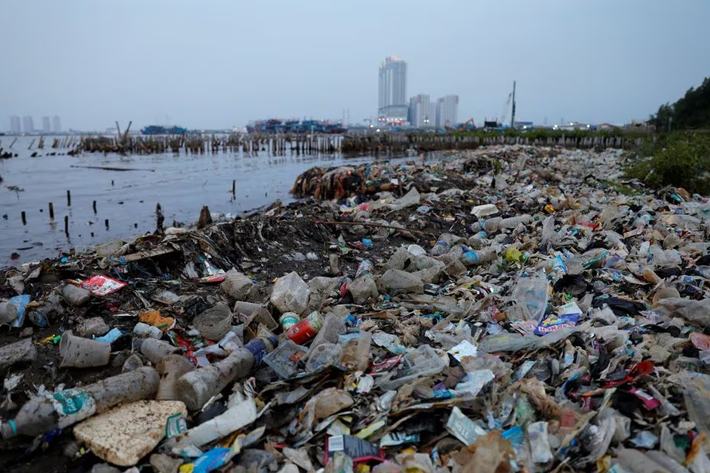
{"x":64,"y":408}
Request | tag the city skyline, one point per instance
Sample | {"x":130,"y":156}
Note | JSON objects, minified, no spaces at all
{"x":419,"y":111}
{"x":50,"y":124}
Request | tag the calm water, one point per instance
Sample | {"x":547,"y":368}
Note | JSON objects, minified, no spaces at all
{"x":182,"y":185}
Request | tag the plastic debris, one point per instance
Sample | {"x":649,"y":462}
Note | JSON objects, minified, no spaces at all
{"x":505,"y":309}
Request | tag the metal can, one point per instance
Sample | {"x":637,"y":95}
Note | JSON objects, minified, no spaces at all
{"x":306,"y":328}
{"x":288,"y":320}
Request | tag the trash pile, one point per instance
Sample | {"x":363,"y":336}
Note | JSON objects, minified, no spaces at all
{"x":507,"y":309}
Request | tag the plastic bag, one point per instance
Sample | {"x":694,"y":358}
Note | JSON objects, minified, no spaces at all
{"x":534,"y":292}
{"x":290,"y":294}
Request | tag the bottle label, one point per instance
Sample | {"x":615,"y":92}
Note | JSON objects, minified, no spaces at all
{"x":73,"y":405}
{"x":175,"y":425}
{"x":471,"y":257}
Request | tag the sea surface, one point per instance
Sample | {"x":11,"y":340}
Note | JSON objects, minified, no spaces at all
{"x":127,"y":199}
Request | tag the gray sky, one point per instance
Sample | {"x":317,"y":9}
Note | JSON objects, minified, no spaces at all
{"x":219,"y":63}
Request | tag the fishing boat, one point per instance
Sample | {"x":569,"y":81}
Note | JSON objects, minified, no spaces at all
{"x":161,"y":130}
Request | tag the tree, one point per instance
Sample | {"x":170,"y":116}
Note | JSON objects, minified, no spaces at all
{"x":692,"y":111}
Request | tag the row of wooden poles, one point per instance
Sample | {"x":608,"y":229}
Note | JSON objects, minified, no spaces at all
{"x":23,"y":214}
{"x":315,"y":144}
{"x":398,"y":144}
{"x":158,"y":212}
{"x":248,"y":144}
{"x":57,"y":142}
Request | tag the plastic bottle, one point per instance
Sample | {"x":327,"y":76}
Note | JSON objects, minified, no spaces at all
{"x":76,"y":296}
{"x":65,"y":408}
{"x":240,"y":413}
{"x":489,"y":226}
{"x":478,"y":240}
{"x":495,"y":224}
{"x":197,"y":387}
{"x":145,"y":330}
{"x":478,"y":257}
{"x":513,"y":222}
{"x":442,"y":246}
{"x":8,"y":312}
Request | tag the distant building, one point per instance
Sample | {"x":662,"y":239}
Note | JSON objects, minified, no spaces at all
{"x":28,"y":125}
{"x":46,"y":125}
{"x":393,"y":89}
{"x":56,"y":124}
{"x":15,"y":124}
{"x":431,"y":115}
{"x":447,"y":111}
{"x":523,"y":125}
{"x":422,"y":112}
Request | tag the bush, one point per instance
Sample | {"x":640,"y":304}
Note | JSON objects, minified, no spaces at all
{"x":678,"y":159}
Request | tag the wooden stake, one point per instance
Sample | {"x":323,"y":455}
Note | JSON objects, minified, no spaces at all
{"x":24,"y":218}
{"x":69,"y":198}
{"x":51,"y":211}
{"x":66,"y":225}
{"x":94,"y":206}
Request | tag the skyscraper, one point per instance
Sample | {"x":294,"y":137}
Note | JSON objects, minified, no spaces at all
{"x":393,"y":89}
{"x":447,"y":111}
{"x":46,"y":125}
{"x":56,"y":124}
{"x":422,"y":112}
{"x":28,"y":125}
{"x":15,"y":125}
{"x":431,"y":115}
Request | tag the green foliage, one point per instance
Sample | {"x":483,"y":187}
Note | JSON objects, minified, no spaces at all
{"x":690,"y":112}
{"x":678,"y":159}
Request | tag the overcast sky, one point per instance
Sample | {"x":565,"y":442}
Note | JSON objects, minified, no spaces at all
{"x":221,"y":63}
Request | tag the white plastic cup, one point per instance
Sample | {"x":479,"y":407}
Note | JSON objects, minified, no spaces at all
{"x":144,"y":330}
{"x":156,"y":350}
{"x":8,"y":312}
{"x":76,"y":296}
{"x":170,"y":369}
{"x":78,"y":352}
